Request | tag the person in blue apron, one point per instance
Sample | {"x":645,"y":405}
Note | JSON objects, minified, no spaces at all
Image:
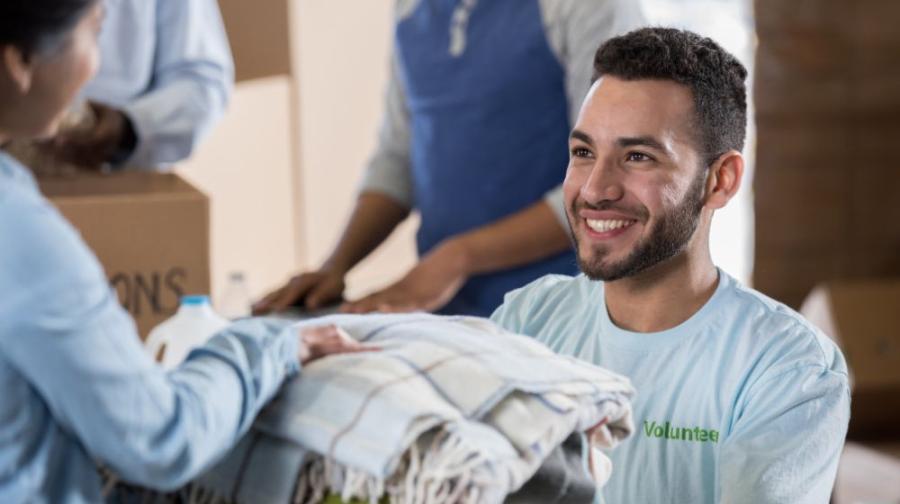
{"x":480,"y":102}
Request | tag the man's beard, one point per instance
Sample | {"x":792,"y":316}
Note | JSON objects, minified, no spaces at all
{"x":668,"y":238}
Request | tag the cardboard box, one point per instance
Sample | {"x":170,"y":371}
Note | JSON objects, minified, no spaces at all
{"x":863,"y":317}
{"x":259,"y":33}
{"x":150,"y":232}
{"x":868,"y":473}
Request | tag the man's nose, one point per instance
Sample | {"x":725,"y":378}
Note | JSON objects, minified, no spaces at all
{"x":603,"y":184}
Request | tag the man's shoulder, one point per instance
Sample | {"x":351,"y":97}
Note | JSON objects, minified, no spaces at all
{"x":545,"y":300}
{"x":780,"y":333}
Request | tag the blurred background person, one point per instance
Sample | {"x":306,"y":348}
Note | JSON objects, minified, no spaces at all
{"x":479,"y":104}
{"x":165,"y":79}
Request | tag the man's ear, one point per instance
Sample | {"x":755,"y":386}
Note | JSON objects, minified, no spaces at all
{"x":17,"y":66}
{"x":724,"y":179}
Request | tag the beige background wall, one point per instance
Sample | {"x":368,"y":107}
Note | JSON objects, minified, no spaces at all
{"x":341,"y":59}
{"x":248,"y":173}
{"x":282,"y":167}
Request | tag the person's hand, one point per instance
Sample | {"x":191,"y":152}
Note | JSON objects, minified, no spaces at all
{"x":429,"y":286}
{"x":95,"y":146}
{"x":322,"y":341}
{"x":314,"y":289}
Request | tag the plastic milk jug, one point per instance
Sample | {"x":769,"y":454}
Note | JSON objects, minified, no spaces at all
{"x":236,"y":299}
{"x":193,"y":324}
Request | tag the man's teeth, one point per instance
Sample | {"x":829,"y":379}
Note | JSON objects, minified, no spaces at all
{"x":602,"y":226}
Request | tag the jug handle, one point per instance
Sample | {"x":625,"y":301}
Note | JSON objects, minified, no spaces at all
{"x":156,"y":347}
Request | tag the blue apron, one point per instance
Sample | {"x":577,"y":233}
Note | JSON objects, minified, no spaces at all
{"x":489,"y":129}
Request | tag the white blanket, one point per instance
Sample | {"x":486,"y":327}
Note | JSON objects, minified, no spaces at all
{"x":452,"y":409}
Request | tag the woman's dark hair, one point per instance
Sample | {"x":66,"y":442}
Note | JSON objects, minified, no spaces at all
{"x":37,"y":26}
{"x":715,"y":78}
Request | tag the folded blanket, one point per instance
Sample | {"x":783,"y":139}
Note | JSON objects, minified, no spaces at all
{"x":451,"y":409}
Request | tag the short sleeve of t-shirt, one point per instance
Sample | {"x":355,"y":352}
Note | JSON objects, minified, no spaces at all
{"x":786,"y":438}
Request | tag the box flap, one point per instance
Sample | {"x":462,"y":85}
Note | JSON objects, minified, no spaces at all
{"x":868,"y":473}
{"x":864,"y":319}
{"x":125,"y":185}
{"x":150,"y":232}
{"x":259,"y":33}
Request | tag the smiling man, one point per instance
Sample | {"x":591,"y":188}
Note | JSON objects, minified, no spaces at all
{"x":739,"y":398}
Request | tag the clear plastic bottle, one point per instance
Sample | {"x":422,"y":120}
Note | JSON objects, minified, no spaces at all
{"x":193,"y":324}
{"x":235,"y":302}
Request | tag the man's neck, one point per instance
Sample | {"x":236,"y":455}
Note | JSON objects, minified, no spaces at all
{"x":664,"y":296}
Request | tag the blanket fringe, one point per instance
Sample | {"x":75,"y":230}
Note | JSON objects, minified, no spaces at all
{"x":441,"y":468}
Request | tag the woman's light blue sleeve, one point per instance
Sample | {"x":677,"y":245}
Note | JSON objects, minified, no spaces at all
{"x":63,"y":330}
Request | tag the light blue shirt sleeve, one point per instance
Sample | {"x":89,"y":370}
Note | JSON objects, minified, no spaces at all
{"x":787,"y":438}
{"x":168,"y":66}
{"x":64,"y":333}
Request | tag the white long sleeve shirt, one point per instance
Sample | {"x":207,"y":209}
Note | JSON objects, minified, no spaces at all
{"x":168,"y":66}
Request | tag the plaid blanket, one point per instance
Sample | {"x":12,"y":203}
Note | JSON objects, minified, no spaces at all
{"x":451,"y":409}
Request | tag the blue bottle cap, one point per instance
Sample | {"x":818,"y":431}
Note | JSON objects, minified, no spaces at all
{"x":194,"y":300}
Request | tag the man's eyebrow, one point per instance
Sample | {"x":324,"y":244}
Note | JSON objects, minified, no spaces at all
{"x":580,"y":135}
{"x":646,"y":141}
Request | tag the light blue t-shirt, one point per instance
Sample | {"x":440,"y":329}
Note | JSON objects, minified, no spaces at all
{"x":745,"y":402}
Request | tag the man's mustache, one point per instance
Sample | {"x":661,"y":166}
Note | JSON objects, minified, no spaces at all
{"x":637,"y":213}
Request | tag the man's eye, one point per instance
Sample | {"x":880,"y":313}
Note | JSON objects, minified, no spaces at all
{"x":580,"y":152}
{"x":637,"y":156}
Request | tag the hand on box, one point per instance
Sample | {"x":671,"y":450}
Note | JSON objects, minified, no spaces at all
{"x":110,"y":139}
{"x":318,"y":342}
{"x":428,"y":287}
{"x":313,"y":289}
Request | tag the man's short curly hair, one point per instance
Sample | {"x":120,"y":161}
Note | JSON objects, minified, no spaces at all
{"x":715,"y":78}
